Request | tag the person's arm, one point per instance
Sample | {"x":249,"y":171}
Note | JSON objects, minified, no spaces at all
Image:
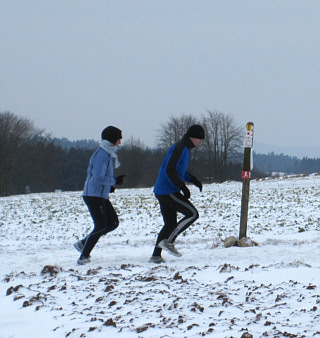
{"x":100,"y":169}
{"x":172,"y":165}
{"x":194,"y":181}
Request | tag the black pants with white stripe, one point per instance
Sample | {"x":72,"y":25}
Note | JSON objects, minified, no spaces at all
{"x":170,"y":205}
{"x":104,"y":218}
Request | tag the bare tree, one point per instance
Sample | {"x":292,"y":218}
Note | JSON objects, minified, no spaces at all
{"x":14,"y":131}
{"x":211,"y":144}
{"x":174,"y":129}
{"x":231,"y":137}
{"x":223,"y":138}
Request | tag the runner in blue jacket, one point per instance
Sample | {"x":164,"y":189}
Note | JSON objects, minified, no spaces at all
{"x":99,"y":183}
{"x":169,"y":184}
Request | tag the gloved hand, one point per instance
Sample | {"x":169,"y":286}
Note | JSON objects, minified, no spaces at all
{"x":186,"y":191}
{"x":196,"y":182}
{"x":119,"y":179}
{"x":112,"y":189}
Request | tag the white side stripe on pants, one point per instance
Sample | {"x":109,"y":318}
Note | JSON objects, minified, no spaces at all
{"x":186,"y":221}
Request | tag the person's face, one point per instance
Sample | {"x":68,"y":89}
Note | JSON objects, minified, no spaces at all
{"x":196,"y":141}
{"x":118,"y":142}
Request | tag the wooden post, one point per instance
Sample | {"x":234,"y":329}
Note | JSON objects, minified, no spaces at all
{"x":245,"y":175}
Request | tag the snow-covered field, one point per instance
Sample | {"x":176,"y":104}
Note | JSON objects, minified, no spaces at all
{"x":272,"y":289}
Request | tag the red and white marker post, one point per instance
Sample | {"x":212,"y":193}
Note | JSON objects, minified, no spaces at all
{"x":245,"y":175}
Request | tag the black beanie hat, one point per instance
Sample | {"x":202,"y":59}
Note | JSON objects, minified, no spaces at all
{"x":196,"y":131}
{"x":111,"y":134}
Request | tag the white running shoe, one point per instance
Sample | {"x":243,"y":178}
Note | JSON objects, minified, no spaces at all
{"x":166,"y":245}
{"x":83,"y":261}
{"x":156,"y":259}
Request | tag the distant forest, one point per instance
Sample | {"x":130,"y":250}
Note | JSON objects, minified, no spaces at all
{"x":31,"y":162}
{"x":272,"y":163}
{"x":265,"y":164}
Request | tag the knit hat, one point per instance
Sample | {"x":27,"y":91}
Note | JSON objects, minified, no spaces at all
{"x":196,"y":131}
{"x":111,"y":134}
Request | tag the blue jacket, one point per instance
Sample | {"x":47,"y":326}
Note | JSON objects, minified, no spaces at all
{"x":173,"y":171}
{"x":99,"y":175}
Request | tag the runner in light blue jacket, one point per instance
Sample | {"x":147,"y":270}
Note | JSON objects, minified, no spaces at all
{"x":99,"y":183}
{"x":99,"y":175}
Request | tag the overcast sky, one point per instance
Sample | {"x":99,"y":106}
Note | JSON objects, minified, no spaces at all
{"x":73,"y":67}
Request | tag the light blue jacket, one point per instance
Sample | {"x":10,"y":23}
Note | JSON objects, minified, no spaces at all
{"x":99,"y":175}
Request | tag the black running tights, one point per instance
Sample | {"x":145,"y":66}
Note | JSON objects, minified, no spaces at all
{"x":169,"y":206}
{"x":104,"y":218}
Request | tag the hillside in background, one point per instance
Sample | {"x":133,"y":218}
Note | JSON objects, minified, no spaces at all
{"x":81,"y":144}
{"x":272,"y":163}
{"x":299,"y":152}
{"x":266,"y":159}
{"x":259,"y":148}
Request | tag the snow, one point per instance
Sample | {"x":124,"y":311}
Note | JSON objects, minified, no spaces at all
{"x":272,"y":289}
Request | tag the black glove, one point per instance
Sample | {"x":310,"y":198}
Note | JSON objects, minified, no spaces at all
{"x":186,"y":191}
{"x":112,"y":189}
{"x":196,"y":182}
{"x":119,"y":179}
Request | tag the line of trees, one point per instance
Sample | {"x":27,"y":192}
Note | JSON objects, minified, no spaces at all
{"x":28,"y":158}
{"x":272,"y":163}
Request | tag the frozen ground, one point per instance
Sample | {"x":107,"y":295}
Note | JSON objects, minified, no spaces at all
{"x":272,"y":289}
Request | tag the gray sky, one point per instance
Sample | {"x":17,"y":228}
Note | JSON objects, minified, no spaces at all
{"x":74,"y":67}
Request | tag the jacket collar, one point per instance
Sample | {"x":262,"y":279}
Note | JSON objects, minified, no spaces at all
{"x":186,"y":141}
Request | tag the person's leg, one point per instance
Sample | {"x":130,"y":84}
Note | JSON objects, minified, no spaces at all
{"x":112,"y":223}
{"x":112,"y":217}
{"x":184,"y":206}
{"x":98,"y":211}
{"x":169,"y":216}
{"x":169,"y":206}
